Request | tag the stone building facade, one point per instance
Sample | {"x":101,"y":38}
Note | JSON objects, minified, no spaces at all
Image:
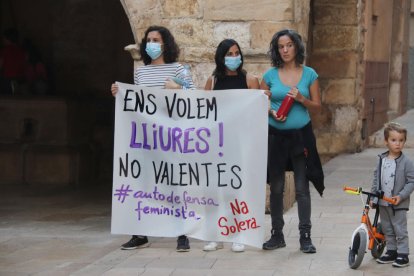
{"x":358,"y":47}
{"x":411,"y":60}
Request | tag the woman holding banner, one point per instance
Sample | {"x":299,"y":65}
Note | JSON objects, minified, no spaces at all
{"x":229,"y":74}
{"x":159,"y":52}
{"x":290,"y":134}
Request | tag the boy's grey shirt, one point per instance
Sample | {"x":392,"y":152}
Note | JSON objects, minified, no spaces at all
{"x":404,"y":179}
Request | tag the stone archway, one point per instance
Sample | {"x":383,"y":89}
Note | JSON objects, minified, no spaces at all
{"x":68,"y":132}
{"x":199,"y":26}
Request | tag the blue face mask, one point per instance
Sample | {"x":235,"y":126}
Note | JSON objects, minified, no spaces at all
{"x":153,"y":49}
{"x":232,"y":63}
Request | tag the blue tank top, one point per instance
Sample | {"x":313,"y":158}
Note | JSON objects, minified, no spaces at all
{"x":298,"y":116}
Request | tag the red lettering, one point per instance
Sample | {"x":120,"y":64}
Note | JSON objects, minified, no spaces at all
{"x":239,"y":208}
{"x":223,"y":226}
{"x":238,"y":226}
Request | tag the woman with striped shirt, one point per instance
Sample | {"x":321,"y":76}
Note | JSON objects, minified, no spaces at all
{"x":159,"y":52}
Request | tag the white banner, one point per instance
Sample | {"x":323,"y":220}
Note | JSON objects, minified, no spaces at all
{"x":190,"y":162}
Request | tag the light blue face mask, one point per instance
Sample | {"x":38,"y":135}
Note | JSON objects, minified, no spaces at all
{"x":153,"y":49}
{"x":232,"y":63}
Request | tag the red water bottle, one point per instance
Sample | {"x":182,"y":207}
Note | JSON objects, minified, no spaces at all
{"x":285,"y":106}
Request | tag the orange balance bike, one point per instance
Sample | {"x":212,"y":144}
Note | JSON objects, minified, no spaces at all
{"x":367,"y":235}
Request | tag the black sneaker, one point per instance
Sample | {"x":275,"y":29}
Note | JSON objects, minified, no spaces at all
{"x":183,"y":244}
{"x":401,"y":261}
{"x":306,"y":245}
{"x":276,"y":241}
{"x":135,"y":242}
{"x":388,"y":258}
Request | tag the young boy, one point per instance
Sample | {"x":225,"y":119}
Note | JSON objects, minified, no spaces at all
{"x":394,"y":176}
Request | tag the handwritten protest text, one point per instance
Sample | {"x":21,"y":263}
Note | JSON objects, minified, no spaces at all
{"x":188,"y":108}
{"x":167,"y":208}
{"x":239,"y":225}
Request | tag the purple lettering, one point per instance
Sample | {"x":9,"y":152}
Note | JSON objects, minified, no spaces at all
{"x":187,"y":140}
{"x":199,"y":147}
{"x":133,"y":143}
{"x":176,"y":135}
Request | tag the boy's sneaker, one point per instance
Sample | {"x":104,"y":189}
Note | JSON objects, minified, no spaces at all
{"x":401,"y":261}
{"x":277,"y":240}
{"x":389,"y":257}
{"x":183,"y":244}
{"x":135,"y":242}
{"x":306,"y":245}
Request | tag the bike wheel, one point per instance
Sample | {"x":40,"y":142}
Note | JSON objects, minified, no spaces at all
{"x":357,"y":250}
{"x":379,"y":245}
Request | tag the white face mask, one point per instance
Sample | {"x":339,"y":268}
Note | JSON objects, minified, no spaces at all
{"x":232,"y":63}
{"x":153,"y":49}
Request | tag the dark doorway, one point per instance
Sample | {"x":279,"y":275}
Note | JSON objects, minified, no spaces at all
{"x":70,"y":127}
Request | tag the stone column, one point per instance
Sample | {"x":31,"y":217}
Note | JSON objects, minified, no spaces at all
{"x":399,"y":58}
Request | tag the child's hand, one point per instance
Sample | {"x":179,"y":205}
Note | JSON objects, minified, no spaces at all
{"x":397,"y":200}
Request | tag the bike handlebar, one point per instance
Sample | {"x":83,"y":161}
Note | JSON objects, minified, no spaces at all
{"x":358,"y":190}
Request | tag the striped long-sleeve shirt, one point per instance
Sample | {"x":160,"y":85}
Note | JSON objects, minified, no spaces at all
{"x":157,"y":75}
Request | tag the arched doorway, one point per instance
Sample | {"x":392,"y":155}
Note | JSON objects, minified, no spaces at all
{"x":69,"y":128}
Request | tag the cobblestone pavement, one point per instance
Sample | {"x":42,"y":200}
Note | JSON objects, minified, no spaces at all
{"x":68,"y":233}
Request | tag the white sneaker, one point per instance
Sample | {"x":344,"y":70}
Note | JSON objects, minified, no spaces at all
{"x":213,"y":246}
{"x":237,"y":247}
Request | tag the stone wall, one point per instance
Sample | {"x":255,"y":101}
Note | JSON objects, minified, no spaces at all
{"x":399,"y":59}
{"x":199,"y":26}
{"x":410,"y":103}
{"x":46,"y":144}
{"x":331,"y":29}
{"x":335,"y":36}
{"x":342,"y":45}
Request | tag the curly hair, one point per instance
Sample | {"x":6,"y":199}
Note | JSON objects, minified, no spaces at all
{"x":221,"y":51}
{"x":274,"y":54}
{"x":171,"y":49}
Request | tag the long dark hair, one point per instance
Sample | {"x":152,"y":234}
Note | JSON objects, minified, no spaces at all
{"x":273,"y":52}
{"x":222,"y":49}
{"x":171,"y":50}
